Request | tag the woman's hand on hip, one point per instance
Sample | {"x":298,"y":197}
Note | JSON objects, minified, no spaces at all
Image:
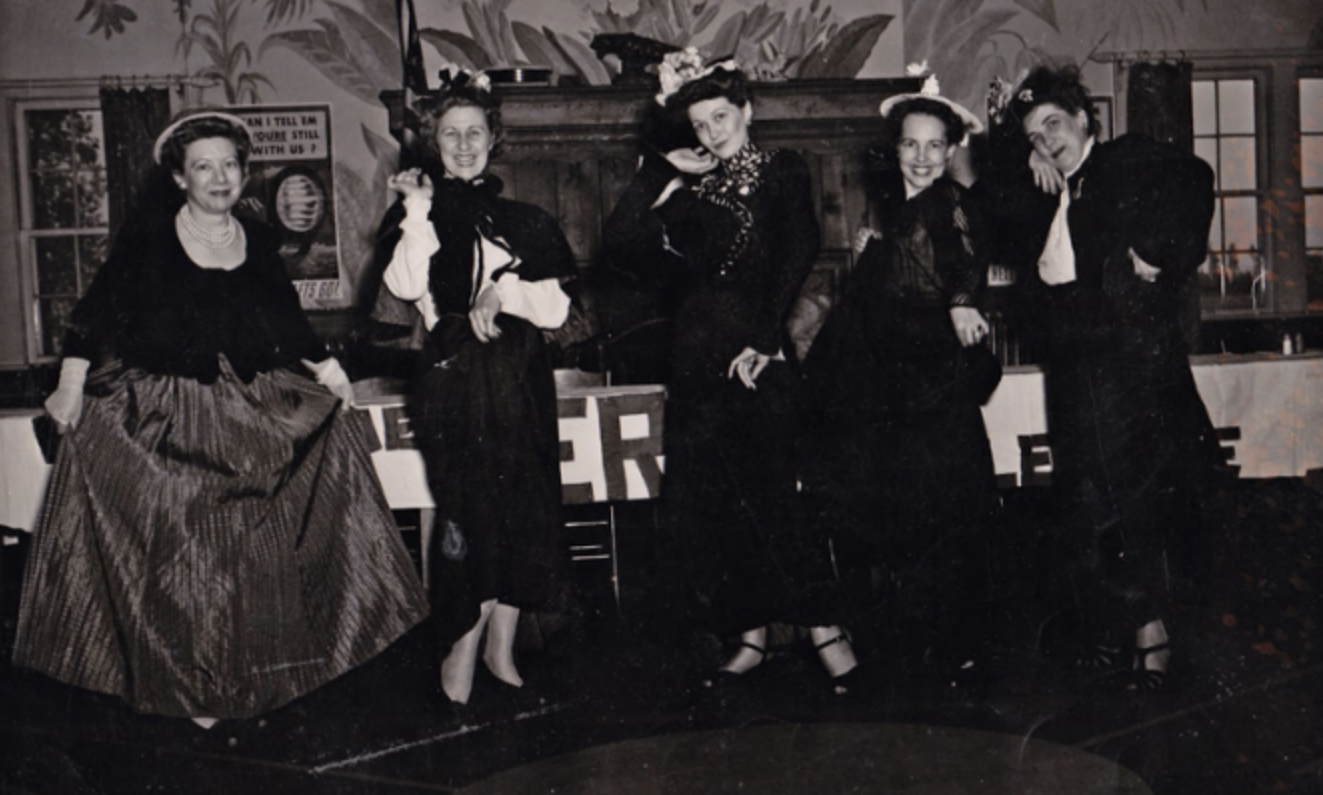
{"x":482,"y":317}
{"x":749,"y":364}
{"x":411,"y":182}
{"x":1144,"y":270}
{"x":970,"y":326}
{"x":863,"y":237}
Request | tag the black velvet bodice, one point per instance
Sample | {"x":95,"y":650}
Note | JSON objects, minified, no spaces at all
{"x":150,"y":306}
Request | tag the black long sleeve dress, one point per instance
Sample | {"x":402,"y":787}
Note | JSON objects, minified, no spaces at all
{"x":1133,"y":450}
{"x":214,"y":539}
{"x":484,"y":413}
{"x":745,"y":237}
{"x":896,"y":454}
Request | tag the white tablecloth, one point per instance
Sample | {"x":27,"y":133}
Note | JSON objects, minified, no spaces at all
{"x":1268,"y":410}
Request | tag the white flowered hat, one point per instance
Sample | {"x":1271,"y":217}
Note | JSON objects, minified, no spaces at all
{"x":932,"y":90}
{"x":685,"y":66}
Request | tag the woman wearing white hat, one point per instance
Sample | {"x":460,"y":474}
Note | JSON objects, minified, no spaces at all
{"x":214,"y":541}
{"x":896,"y":455}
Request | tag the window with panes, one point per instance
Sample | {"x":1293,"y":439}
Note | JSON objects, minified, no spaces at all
{"x":1311,"y":182}
{"x":65,"y":219}
{"x":1227,"y":136}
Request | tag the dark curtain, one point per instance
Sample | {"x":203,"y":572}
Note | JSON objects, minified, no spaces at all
{"x":132,"y":118}
{"x":1159,"y":104}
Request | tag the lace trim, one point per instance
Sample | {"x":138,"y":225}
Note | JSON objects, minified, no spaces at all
{"x":730,"y":186}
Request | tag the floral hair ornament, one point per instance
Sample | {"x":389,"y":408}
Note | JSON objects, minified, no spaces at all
{"x":159,"y":147}
{"x":453,"y":76}
{"x":1000,"y":91}
{"x":685,"y":66}
{"x":932,"y":90}
{"x":918,"y":69}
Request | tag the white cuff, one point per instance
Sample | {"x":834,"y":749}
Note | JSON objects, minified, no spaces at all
{"x":510,"y":293}
{"x":73,"y":372}
{"x":417,"y":208}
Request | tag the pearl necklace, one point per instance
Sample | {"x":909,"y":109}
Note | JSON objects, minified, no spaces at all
{"x":207,"y":237}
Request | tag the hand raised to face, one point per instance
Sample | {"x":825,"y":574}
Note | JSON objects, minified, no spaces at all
{"x":692,"y":161}
{"x":412,"y":182}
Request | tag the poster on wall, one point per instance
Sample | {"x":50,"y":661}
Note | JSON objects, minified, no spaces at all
{"x":291,"y":187}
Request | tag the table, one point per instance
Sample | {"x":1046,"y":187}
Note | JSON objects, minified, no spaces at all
{"x":1267,"y":409}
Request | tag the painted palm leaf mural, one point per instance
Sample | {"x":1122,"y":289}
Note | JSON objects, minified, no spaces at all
{"x":357,"y":50}
{"x":214,"y":34}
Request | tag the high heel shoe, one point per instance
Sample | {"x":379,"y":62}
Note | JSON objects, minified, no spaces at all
{"x":842,"y":682}
{"x":1152,"y":679}
{"x":725,"y":675}
{"x":1099,"y":658}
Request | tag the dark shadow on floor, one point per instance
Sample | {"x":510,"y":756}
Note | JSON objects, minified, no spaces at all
{"x":1246,"y":715}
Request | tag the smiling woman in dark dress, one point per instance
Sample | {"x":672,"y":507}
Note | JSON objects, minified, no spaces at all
{"x":738,"y":221}
{"x":896,"y":455}
{"x":214,"y":541}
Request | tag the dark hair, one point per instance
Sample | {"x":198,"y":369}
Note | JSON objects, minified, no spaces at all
{"x":728,"y":83}
{"x":894,"y":122}
{"x":176,"y":146}
{"x":665,"y":129}
{"x":1062,"y":87}
{"x":459,"y":94}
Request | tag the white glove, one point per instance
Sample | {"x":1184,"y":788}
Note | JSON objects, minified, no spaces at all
{"x":65,"y":405}
{"x":330,"y":375}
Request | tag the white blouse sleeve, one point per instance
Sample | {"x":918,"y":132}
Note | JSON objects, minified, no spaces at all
{"x":407,"y":274}
{"x":542,"y":303}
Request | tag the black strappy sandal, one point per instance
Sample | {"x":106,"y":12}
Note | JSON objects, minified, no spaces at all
{"x":722,"y":676}
{"x":1100,"y":658}
{"x":1144,"y":678}
{"x":842,"y":683}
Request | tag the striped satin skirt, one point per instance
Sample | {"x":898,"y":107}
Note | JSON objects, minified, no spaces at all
{"x":212,"y":549}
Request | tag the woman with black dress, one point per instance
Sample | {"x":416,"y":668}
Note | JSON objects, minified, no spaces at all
{"x":896,"y":454}
{"x":1111,"y":234}
{"x":214,"y":541}
{"x":739,"y":222}
{"x":486,"y":275}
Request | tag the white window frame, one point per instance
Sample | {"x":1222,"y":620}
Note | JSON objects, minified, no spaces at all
{"x":28,"y":235}
{"x":1261,"y":79}
{"x":20,"y":322}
